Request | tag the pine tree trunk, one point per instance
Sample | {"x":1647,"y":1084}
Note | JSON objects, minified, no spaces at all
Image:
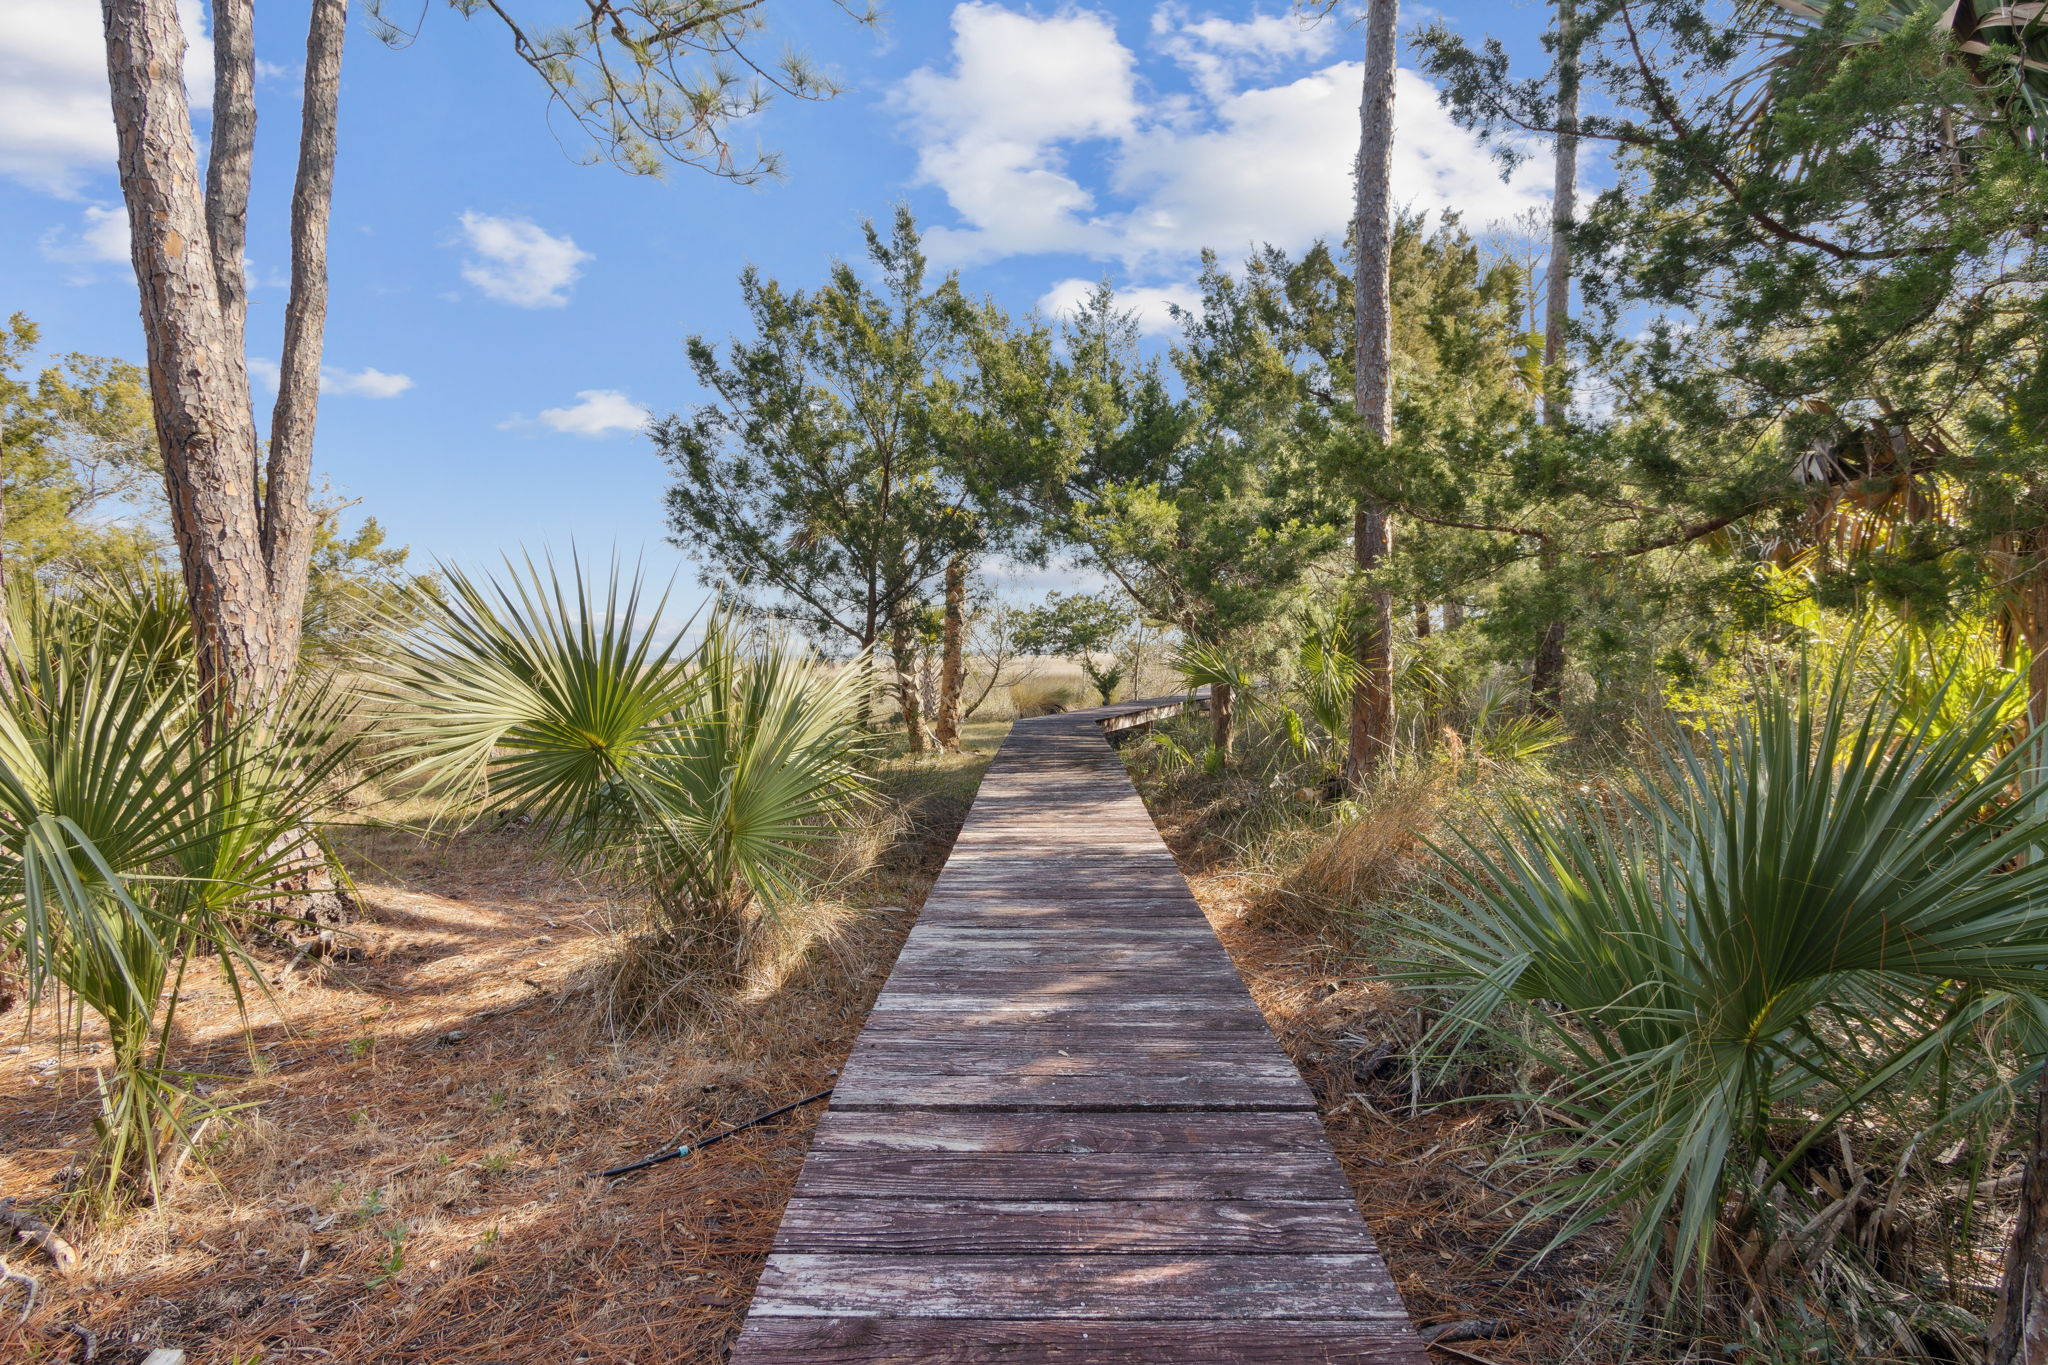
{"x":198,"y":376}
{"x":288,"y":472}
{"x":1372,"y":697}
{"x":231,"y":158}
{"x":952,"y":658}
{"x":1222,"y":717}
{"x":1546,"y":669}
{"x":243,"y":544}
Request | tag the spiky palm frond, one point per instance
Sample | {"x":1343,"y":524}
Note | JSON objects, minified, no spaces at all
{"x":702,"y":774}
{"x":136,"y":830}
{"x":1801,"y":916}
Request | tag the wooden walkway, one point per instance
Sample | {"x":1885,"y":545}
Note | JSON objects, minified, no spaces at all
{"x":1066,"y":1134}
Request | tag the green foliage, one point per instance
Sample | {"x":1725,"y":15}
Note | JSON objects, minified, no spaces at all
{"x":1813,"y":918}
{"x":356,"y":583}
{"x":653,"y":82}
{"x":701,"y":774}
{"x":141,"y":830}
{"x":814,"y":485}
{"x":79,"y":470}
{"x":1090,"y":629}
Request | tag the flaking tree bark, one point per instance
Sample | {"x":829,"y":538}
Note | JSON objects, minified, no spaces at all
{"x":243,"y":542}
{"x":903,"y":663}
{"x":1546,"y":672}
{"x":1372,"y":697}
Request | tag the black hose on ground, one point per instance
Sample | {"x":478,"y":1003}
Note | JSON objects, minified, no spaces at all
{"x":690,"y":1147}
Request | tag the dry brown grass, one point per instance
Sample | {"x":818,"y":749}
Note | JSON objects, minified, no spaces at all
{"x":1421,"y":1171}
{"x":1381,"y":853}
{"x":414,"y":1186}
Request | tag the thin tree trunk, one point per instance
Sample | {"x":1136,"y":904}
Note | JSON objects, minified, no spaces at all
{"x":2019,"y":1334}
{"x":952,"y":658}
{"x":903,"y":659}
{"x":287,"y":507}
{"x":1546,"y":670}
{"x":1372,"y":697}
{"x":233,"y":155}
{"x":1222,"y":715}
{"x":243,"y":545}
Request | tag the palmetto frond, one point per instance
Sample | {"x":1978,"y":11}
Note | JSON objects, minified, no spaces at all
{"x":1788,"y":925}
{"x":700,"y":773}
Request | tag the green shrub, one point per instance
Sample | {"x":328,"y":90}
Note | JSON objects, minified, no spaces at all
{"x":1825,"y":910}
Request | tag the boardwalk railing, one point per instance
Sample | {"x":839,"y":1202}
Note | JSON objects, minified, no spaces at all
{"x":1066,"y":1133}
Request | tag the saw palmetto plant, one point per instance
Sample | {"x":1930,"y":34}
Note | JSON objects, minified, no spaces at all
{"x":1817,"y":910}
{"x":699,"y":774}
{"x":140,"y":833}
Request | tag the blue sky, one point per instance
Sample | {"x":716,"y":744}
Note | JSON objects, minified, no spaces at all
{"x":502,"y":316}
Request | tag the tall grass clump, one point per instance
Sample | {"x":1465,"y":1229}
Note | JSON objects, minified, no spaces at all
{"x":702,"y":777}
{"x":140,"y":831}
{"x":1760,"y":994}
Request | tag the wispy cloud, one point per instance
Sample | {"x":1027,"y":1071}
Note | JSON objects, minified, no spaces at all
{"x":598,"y":412}
{"x":101,"y":236}
{"x":364,"y":383}
{"x":514,"y":261}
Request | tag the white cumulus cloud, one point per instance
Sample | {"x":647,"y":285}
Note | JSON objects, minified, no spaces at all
{"x":993,"y":132}
{"x":363,"y":383}
{"x":102,"y":235}
{"x":1153,"y":305}
{"x":598,"y":412}
{"x":1253,"y":155}
{"x":514,"y":261}
{"x":56,"y":120}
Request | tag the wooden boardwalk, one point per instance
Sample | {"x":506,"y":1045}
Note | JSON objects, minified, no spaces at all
{"x":1066,"y":1134}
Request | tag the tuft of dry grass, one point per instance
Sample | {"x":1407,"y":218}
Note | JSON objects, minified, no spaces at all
{"x":1376,"y":855}
{"x":415,"y":1183}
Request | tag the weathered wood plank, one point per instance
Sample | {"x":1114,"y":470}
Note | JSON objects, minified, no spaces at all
{"x":1142,"y":1040}
{"x":1216,"y":1134}
{"x":1171,"y":1017}
{"x":939,"y":1227}
{"x":1104,"y":1092}
{"x":885,"y":1058}
{"x":1132,"y":1288}
{"x":1276,"y":1175}
{"x":966,"y":1341}
{"x":1066,"y":1133}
